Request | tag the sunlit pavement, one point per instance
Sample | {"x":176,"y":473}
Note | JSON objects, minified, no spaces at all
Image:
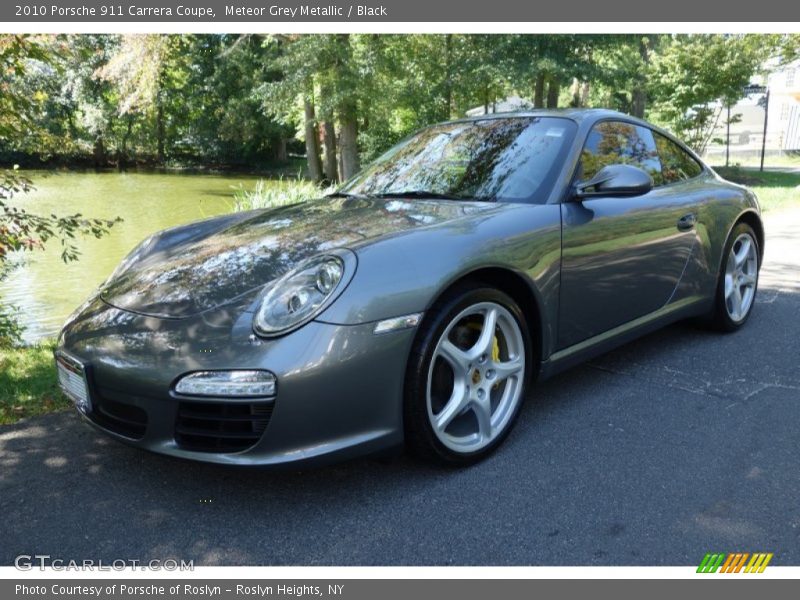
{"x":682,"y":443}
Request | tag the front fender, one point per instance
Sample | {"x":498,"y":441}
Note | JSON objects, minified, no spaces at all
{"x":406,"y":273}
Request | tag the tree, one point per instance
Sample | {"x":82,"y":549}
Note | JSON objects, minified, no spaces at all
{"x":212,"y":113}
{"x":241,"y":99}
{"x":139,"y":70}
{"x":297,"y":61}
{"x":694,"y":76}
{"x":788,"y":47}
{"x":21,"y":230}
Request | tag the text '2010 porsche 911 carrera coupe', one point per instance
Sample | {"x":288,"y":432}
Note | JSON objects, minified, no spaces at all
{"x":417,"y":304}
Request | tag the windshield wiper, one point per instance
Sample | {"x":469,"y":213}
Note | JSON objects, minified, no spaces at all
{"x":340,"y":195}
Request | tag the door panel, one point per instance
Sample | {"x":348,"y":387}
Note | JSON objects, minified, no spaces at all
{"x":622,"y":258}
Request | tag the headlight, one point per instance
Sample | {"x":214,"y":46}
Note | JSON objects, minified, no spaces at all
{"x":235,"y":384}
{"x":303,"y":293}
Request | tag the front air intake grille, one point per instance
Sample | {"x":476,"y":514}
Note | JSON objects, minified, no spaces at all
{"x":119,"y":417}
{"x":221,"y":426}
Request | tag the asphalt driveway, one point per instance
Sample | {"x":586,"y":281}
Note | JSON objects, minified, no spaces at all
{"x":682,"y":443}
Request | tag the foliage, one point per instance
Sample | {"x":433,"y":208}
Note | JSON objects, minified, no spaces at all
{"x":694,"y":77}
{"x":21,"y":230}
{"x":247,"y":100}
{"x":788,"y":47}
{"x":111,"y":100}
{"x":10,"y":328}
{"x":137,"y":69}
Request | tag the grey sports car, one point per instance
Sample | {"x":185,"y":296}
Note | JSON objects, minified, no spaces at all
{"x":417,"y":304}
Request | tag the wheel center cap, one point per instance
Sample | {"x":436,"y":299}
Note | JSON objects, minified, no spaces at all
{"x":476,"y":376}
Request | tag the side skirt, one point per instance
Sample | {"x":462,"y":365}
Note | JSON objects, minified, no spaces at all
{"x":600,"y":344}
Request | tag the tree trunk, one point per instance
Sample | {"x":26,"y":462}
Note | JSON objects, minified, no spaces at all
{"x":122,"y":152}
{"x":329,"y":161}
{"x":538,"y":90}
{"x":312,"y":141}
{"x":160,"y":134}
{"x":638,"y":103}
{"x":348,"y":114}
{"x":639,"y":95}
{"x":339,"y":160}
{"x":552,"y":93}
{"x":99,"y":152}
{"x":448,"y":76}
{"x":575,"y":92}
{"x":331,"y":171}
{"x":349,"y":144}
{"x":586,"y":87}
{"x":281,"y":155}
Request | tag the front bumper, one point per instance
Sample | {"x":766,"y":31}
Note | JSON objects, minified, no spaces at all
{"x":339,"y":387}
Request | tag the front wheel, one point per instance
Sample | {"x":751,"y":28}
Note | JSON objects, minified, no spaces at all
{"x":466,"y":376}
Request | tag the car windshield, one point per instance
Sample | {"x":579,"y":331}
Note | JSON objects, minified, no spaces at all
{"x":506,"y":159}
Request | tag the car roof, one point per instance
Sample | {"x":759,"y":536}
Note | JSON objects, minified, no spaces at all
{"x":576,"y":114}
{"x":581,"y":116}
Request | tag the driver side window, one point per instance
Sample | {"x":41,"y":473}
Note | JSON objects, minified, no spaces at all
{"x":620,"y":143}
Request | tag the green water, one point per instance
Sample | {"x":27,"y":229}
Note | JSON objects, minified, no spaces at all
{"x":46,"y":290}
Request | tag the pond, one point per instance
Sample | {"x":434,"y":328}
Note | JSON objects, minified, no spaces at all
{"x":46,"y":290}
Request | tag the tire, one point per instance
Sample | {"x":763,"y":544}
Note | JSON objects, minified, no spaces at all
{"x":737,"y":282}
{"x":464,"y":387}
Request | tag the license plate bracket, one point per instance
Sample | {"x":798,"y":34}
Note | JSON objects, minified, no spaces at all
{"x":72,"y":381}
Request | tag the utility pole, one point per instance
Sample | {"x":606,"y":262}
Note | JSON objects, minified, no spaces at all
{"x":764,"y":139}
{"x":728,"y":138}
{"x":761,"y":89}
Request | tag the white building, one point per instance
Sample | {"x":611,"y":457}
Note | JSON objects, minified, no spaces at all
{"x":783,"y":122}
{"x":784,"y":110}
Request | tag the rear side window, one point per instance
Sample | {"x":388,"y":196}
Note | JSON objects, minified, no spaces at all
{"x":619,"y":143}
{"x":676,"y":163}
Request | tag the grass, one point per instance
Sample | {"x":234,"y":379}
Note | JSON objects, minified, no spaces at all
{"x":754,"y":160}
{"x":280,"y":192}
{"x":28,"y":385}
{"x":776,"y":190}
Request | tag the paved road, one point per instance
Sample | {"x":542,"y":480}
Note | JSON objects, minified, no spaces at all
{"x":681,"y":443}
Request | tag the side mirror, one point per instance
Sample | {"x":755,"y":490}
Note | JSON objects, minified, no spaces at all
{"x":615,"y":180}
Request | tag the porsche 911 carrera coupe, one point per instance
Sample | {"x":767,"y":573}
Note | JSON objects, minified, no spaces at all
{"x":417,"y":304}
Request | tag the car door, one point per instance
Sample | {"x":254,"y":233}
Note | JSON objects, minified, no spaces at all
{"x":622,"y":257}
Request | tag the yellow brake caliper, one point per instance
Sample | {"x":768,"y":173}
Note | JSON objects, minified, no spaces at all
{"x":495,"y":355}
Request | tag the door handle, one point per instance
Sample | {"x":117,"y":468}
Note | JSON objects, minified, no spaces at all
{"x":687,"y":222}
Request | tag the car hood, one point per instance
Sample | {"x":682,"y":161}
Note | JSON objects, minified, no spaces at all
{"x":185,"y":272}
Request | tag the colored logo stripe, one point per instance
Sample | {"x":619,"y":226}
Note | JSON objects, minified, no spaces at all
{"x":758,"y":563}
{"x":710,"y":563}
{"x":734,"y":562}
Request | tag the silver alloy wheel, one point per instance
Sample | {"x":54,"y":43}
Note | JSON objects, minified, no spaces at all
{"x":741,"y":277}
{"x":475,"y":378}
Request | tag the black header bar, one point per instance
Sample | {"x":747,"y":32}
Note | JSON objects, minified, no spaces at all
{"x":392,"y":11}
